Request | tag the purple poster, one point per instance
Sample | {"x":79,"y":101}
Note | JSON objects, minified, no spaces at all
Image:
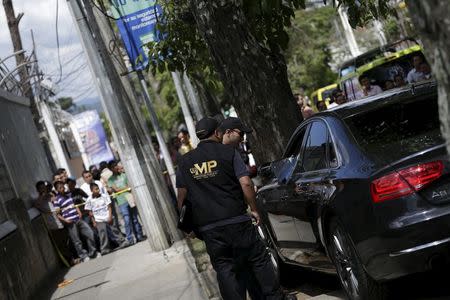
{"x":93,"y":137}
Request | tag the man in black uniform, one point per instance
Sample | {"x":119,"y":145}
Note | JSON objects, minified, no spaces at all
{"x":231,"y":132}
{"x":215,"y":180}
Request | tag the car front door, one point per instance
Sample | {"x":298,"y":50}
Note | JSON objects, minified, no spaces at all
{"x":275,"y":196}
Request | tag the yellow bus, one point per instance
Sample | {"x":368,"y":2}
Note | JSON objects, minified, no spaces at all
{"x":322,"y":94}
{"x":380,"y":66}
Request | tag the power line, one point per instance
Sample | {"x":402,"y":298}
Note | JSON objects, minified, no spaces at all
{"x":71,"y":88}
{"x":103,"y":12}
{"x":84,"y":93}
{"x":65,"y":63}
{"x":75,"y":70}
{"x":57,"y":42}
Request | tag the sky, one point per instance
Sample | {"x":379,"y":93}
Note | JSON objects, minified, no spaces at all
{"x":40,"y":16}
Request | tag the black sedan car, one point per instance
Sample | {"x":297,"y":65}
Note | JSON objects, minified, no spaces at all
{"x":363,"y":190}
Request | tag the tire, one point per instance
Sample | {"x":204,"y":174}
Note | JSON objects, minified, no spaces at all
{"x":263,"y":233}
{"x":355,"y":281}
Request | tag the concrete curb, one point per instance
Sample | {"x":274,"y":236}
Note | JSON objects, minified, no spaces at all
{"x":207,"y":279}
{"x":209,"y":288}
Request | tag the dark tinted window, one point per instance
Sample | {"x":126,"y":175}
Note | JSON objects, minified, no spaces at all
{"x":294,"y":147}
{"x":327,"y":94}
{"x":398,"y":130}
{"x":315,"y":153}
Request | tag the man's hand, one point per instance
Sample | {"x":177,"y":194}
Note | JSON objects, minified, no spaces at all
{"x":110,"y":220}
{"x":255,"y":215}
{"x":94,"y":224}
{"x":68,"y":221}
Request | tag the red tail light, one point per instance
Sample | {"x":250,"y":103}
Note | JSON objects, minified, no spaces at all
{"x":406,"y":181}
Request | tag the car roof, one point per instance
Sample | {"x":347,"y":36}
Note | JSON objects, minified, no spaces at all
{"x":386,"y":98}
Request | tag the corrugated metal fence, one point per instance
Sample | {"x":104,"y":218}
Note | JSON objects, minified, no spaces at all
{"x":22,"y":157}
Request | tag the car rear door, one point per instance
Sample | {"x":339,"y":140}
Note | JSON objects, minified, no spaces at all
{"x":310,"y":180}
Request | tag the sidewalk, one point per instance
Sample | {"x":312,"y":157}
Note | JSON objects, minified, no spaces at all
{"x":135,"y":273}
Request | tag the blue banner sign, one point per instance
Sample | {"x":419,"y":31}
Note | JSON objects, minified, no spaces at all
{"x":136,"y":20}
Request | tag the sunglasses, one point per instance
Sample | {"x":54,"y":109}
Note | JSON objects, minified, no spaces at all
{"x":241,"y":133}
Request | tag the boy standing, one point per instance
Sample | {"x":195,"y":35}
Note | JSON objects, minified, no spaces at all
{"x":118,"y":182}
{"x":99,"y":207}
{"x":70,"y":215}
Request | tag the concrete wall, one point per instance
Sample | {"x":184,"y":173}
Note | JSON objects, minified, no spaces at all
{"x":27,"y":257}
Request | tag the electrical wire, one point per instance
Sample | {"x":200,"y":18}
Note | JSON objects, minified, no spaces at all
{"x":72,"y":88}
{"x":84,"y":93}
{"x":65,"y":63}
{"x":104,"y":12}
{"x":79,"y":69}
{"x":57,"y":42}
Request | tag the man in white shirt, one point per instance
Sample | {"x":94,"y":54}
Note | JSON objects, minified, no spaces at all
{"x":338,"y":97}
{"x":426,"y":71}
{"x":99,"y":207}
{"x":367,"y":89}
{"x":88,"y":179}
{"x":415,"y":74}
{"x":114,"y":232}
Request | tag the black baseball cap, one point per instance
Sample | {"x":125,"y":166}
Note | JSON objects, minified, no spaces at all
{"x":234,"y":123}
{"x":206,"y":127}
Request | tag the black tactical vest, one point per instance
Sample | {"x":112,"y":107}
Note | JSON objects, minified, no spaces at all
{"x":213,"y":189}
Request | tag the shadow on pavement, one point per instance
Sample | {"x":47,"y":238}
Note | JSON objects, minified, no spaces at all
{"x":81,"y":290}
{"x":50,"y":285}
{"x":294,"y":278}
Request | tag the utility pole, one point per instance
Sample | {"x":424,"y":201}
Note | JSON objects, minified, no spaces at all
{"x":185,"y":108}
{"x":158,"y":132}
{"x":158,"y":183}
{"x":193,"y":98}
{"x":44,"y":111}
{"x":348,"y":32}
{"x":110,"y":90}
{"x":380,"y":32}
{"x":13,"y":25}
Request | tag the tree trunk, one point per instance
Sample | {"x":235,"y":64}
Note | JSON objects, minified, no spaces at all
{"x":254,"y":78}
{"x":432,"y":20}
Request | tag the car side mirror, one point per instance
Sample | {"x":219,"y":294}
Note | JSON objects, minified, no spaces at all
{"x":283,"y":169}
{"x":265,"y":171}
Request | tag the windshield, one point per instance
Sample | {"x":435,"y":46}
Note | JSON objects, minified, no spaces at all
{"x":392,"y":132}
{"x":327,"y":94}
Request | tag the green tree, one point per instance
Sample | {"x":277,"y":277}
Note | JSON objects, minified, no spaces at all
{"x":106,"y":125}
{"x":244,"y":40}
{"x":308,"y":54}
{"x":166,"y":104}
{"x":65,"y":102}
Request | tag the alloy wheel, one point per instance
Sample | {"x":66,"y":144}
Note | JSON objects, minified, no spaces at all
{"x":344,"y":265}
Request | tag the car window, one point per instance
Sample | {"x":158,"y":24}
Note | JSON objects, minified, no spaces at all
{"x":315,"y":151}
{"x":294,"y":147}
{"x":391,"y":132}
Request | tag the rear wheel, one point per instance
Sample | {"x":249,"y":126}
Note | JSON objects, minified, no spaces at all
{"x":358,"y":285}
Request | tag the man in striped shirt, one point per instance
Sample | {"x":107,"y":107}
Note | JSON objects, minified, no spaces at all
{"x":70,"y":215}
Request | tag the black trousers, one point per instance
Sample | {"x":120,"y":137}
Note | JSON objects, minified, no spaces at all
{"x":235,"y":248}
